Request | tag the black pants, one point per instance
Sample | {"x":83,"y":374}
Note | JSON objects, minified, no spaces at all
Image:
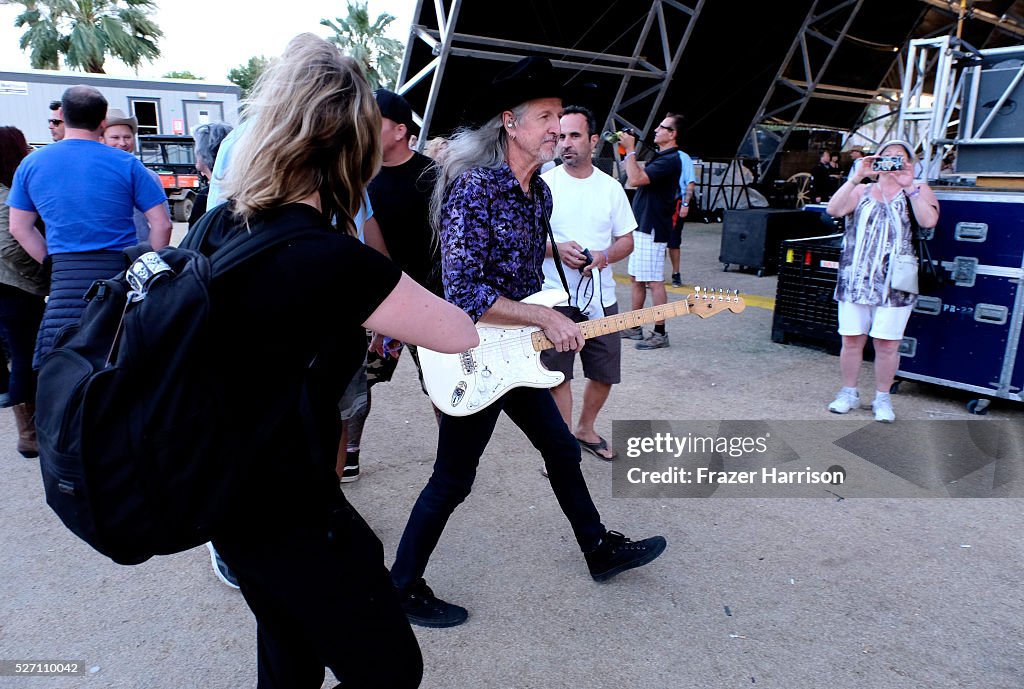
{"x":323,"y":598}
{"x":461,"y":442}
{"x":20,"y":314}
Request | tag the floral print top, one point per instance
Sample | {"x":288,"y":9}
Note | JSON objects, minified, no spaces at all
{"x":492,"y":238}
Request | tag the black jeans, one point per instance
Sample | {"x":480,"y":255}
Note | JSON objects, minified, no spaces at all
{"x":461,"y":442}
{"x":323,"y":598}
{"x":20,"y":314}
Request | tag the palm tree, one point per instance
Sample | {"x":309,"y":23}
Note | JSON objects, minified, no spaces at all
{"x":365,"y":42}
{"x":85,"y":32}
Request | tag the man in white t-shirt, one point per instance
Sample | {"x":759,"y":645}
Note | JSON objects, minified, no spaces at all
{"x":591,"y":212}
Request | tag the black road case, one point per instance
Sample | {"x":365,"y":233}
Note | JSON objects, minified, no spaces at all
{"x":751,"y":237}
{"x":805,"y":308}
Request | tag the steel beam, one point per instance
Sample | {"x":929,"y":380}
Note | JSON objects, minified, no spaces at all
{"x":654,"y":71}
{"x":813,"y":71}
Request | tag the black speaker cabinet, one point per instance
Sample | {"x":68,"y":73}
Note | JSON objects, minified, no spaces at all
{"x":751,"y":238}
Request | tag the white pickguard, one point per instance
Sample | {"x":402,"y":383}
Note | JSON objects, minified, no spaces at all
{"x":463,"y":384}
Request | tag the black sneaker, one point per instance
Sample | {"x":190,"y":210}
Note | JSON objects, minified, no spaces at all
{"x":424,"y":609}
{"x":655,"y":340}
{"x":221,"y":569}
{"x":351,"y":471}
{"x":617,"y":553}
{"x":636,"y":333}
{"x":677,"y":280}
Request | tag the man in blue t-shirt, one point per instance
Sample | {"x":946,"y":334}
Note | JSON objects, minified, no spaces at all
{"x":654,"y":205}
{"x":85,"y":193}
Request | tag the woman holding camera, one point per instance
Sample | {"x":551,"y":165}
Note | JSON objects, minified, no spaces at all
{"x":880,"y":218}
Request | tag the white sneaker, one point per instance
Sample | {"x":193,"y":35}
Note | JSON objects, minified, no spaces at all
{"x":844,"y":402}
{"x":220,"y":568}
{"x":883,"y":411}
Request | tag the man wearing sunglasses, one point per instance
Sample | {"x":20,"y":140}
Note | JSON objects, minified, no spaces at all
{"x":657,"y":184}
{"x":56,"y":121}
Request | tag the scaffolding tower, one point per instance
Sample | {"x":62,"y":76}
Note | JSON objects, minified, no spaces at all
{"x":953,"y":114}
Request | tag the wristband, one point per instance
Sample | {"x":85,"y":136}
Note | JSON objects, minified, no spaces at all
{"x":916,"y":192}
{"x":607,"y":261}
{"x":631,"y":153}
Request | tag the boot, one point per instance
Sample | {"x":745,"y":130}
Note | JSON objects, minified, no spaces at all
{"x":25,"y":417}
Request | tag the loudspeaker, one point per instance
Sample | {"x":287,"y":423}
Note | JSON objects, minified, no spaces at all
{"x":751,"y":238}
{"x":1008,"y":121}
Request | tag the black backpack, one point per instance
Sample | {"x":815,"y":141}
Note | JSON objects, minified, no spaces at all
{"x":129,"y":403}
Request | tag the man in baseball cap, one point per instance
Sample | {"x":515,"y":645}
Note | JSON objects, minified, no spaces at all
{"x":491,"y":214}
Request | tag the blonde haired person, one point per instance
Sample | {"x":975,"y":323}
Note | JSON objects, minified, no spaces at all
{"x":290,"y":332}
{"x":879,"y":224}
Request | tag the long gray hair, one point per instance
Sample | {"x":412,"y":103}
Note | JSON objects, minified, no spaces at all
{"x":485,"y":147}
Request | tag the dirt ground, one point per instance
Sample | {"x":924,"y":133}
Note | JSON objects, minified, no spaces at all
{"x":765,"y":592}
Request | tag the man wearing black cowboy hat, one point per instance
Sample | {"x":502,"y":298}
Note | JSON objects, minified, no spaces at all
{"x":491,"y":214}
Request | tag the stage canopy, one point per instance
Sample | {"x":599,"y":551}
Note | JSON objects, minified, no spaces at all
{"x":737,"y":72}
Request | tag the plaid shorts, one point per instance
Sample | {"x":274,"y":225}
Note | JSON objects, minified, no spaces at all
{"x":647,"y":262}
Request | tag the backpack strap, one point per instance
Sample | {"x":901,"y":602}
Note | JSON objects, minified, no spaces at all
{"x":248,"y":242}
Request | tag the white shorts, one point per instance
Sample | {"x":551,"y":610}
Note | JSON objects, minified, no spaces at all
{"x":647,"y":262}
{"x":884,"y":322}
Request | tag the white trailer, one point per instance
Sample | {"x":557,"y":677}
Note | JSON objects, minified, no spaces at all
{"x":162,"y":106}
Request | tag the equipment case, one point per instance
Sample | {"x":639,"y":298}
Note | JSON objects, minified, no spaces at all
{"x":967,"y":334}
{"x":751,"y":237}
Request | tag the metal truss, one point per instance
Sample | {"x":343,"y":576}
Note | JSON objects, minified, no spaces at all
{"x":670,"y":22}
{"x":947,"y":116}
{"x":776,"y":119}
{"x":925,"y":116}
{"x":1004,"y":24}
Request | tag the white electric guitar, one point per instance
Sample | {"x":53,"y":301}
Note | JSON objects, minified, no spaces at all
{"x":509,"y":356}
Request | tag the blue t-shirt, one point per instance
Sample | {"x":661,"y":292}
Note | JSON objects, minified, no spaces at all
{"x":86,"y":193}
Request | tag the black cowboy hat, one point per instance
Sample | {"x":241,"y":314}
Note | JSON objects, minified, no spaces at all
{"x":529,"y":79}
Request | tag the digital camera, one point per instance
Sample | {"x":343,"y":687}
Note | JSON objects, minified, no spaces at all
{"x":887,"y":163}
{"x":588,"y":258}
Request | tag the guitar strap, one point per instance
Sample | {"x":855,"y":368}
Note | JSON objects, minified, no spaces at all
{"x":558,"y":264}
{"x":554,"y":251}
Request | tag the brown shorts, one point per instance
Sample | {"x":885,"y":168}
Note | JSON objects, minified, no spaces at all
{"x":601,"y":356}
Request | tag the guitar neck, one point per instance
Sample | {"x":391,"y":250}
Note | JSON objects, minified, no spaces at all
{"x":620,"y":322}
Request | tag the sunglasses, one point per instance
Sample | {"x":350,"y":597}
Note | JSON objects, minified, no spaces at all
{"x":669,"y":129}
{"x":55,"y":123}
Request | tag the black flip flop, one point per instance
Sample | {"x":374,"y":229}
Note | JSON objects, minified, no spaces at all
{"x":593,"y":448}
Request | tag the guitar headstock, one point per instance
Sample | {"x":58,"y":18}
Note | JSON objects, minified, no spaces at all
{"x":706,"y":302}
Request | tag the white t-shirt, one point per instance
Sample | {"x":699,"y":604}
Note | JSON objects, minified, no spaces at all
{"x":592,"y":212}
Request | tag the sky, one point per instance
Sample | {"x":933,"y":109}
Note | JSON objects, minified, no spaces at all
{"x":211,"y":38}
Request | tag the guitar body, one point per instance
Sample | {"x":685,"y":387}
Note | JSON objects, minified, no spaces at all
{"x":509,"y":356}
{"x":463,"y":384}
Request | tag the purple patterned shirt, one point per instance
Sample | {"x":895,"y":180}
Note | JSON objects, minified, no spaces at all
{"x":492,"y":238}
